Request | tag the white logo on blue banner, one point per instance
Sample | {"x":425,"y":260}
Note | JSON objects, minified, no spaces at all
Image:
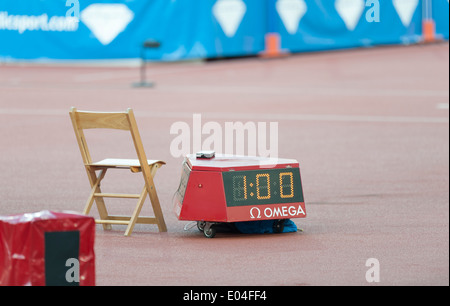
{"x":229,"y":14}
{"x":405,"y":10}
{"x":291,"y":12}
{"x":350,"y":11}
{"x":106,"y":21}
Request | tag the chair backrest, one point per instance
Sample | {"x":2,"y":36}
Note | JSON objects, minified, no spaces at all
{"x":102,"y":120}
{"x":83,"y":120}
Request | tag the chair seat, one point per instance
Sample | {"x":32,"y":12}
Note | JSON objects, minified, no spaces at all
{"x":123,"y":163}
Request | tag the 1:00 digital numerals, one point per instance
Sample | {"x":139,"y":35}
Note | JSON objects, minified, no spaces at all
{"x":262,"y":186}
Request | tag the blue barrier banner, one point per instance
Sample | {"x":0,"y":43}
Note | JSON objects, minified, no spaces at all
{"x":113,"y":29}
{"x":188,"y":29}
{"x":308,"y":25}
{"x":440,"y":14}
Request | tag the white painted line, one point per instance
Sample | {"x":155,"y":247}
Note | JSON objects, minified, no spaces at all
{"x":341,"y":118}
{"x":239,"y":116}
{"x":442,"y":106}
{"x":316,"y":91}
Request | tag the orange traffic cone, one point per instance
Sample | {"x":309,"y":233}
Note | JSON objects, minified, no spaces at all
{"x":273,"y":46}
{"x":429,"y":30}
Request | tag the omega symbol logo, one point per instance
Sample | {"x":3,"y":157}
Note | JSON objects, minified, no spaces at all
{"x":252,"y":213}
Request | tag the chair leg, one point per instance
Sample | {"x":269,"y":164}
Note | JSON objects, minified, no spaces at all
{"x":157,"y":211}
{"x":90,"y":200}
{"x":155,"y":203}
{"x":136,"y":212}
{"x":159,"y":215}
{"x":95,"y":183}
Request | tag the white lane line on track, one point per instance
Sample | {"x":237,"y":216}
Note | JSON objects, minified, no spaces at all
{"x":277,"y":90}
{"x":322,"y":91}
{"x":240,"y":116}
{"x":442,"y":106}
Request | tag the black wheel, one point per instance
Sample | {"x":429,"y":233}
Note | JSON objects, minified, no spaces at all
{"x":201,"y":225}
{"x":209,"y":232}
{"x":278,"y":226}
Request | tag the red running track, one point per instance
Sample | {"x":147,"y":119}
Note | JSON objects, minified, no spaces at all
{"x":369,"y":127}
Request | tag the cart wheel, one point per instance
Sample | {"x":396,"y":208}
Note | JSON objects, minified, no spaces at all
{"x":201,"y":225}
{"x":210,"y":232}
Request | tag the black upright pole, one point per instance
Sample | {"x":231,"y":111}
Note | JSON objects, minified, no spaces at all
{"x":148,"y":44}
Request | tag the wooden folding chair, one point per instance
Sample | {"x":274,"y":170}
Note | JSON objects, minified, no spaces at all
{"x":82,"y":120}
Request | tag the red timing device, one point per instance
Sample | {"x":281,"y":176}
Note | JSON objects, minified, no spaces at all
{"x":238,"y":188}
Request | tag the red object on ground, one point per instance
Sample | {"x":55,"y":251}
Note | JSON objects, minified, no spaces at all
{"x":239,"y":188}
{"x":47,"y":248}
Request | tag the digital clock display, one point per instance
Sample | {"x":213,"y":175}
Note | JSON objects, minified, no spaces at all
{"x":262,"y":187}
